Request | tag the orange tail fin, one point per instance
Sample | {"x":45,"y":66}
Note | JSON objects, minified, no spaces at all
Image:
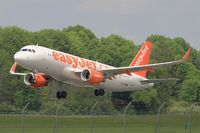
{"x":142,"y":58}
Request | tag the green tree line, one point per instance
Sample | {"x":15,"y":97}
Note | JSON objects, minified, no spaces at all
{"x":113,"y":50}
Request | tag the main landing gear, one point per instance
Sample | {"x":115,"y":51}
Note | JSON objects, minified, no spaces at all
{"x":61,"y":94}
{"x":99,"y":92}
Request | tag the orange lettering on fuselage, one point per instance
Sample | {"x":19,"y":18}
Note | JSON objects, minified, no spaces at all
{"x":68,"y":58}
{"x":94,"y":65}
{"x":82,"y":63}
{"x":89,"y":65}
{"x":74,"y":61}
{"x":62,"y":58}
{"x":55,"y":55}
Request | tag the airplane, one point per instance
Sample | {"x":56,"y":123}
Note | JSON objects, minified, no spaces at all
{"x":47,"y":65}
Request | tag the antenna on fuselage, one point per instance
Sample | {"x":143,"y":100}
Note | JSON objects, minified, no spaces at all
{"x":37,"y":44}
{"x":35,"y":71}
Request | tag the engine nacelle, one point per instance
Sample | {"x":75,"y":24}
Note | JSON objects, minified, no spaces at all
{"x":92,"y":76}
{"x":35,"y":80}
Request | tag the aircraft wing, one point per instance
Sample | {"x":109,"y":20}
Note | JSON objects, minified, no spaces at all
{"x":110,"y":72}
{"x":13,"y":70}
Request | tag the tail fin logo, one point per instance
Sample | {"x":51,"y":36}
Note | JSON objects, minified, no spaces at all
{"x":141,"y":57}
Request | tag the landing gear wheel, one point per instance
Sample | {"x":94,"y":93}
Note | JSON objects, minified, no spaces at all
{"x":64,"y":94}
{"x":96,"y":92}
{"x":61,"y":94}
{"x":101,"y":92}
{"x":58,"y":95}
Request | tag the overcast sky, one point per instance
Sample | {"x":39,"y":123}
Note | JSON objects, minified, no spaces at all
{"x":132,"y":19}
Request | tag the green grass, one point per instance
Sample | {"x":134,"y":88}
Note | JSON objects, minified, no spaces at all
{"x":101,"y":124}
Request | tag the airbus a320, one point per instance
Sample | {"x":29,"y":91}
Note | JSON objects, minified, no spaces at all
{"x":47,"y":65}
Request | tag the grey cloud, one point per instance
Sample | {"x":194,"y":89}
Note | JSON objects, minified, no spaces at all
{"x":133,"y":19}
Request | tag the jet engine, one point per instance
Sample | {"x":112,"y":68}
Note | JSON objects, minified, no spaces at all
{"x":92,"y":76}
{"x":37,"y":80}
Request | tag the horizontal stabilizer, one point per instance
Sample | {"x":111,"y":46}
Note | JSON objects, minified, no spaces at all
{"x":158,"y":80}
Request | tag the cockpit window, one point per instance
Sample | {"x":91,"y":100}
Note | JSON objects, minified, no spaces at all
{"x":24,"y":49}
{"x":29,"y":50}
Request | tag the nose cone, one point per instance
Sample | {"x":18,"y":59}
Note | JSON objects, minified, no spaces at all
{"x":23,"y":59}
{"x":18,"y":57}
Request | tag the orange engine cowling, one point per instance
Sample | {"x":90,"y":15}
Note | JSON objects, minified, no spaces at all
{"x":35,"y":80}
{"x":92,"y":76}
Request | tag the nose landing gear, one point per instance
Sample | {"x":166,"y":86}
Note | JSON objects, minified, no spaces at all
{"x":99,"y":92}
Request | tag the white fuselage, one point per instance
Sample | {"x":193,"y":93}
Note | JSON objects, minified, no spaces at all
{"x":67,"y":68}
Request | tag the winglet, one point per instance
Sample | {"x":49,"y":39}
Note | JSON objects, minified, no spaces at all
{"x":187,"y":55}
{"x":13,"y":68}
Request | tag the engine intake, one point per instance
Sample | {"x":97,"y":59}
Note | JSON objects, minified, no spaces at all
{"x":92,"y":76}
{"x":35,"y":80}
